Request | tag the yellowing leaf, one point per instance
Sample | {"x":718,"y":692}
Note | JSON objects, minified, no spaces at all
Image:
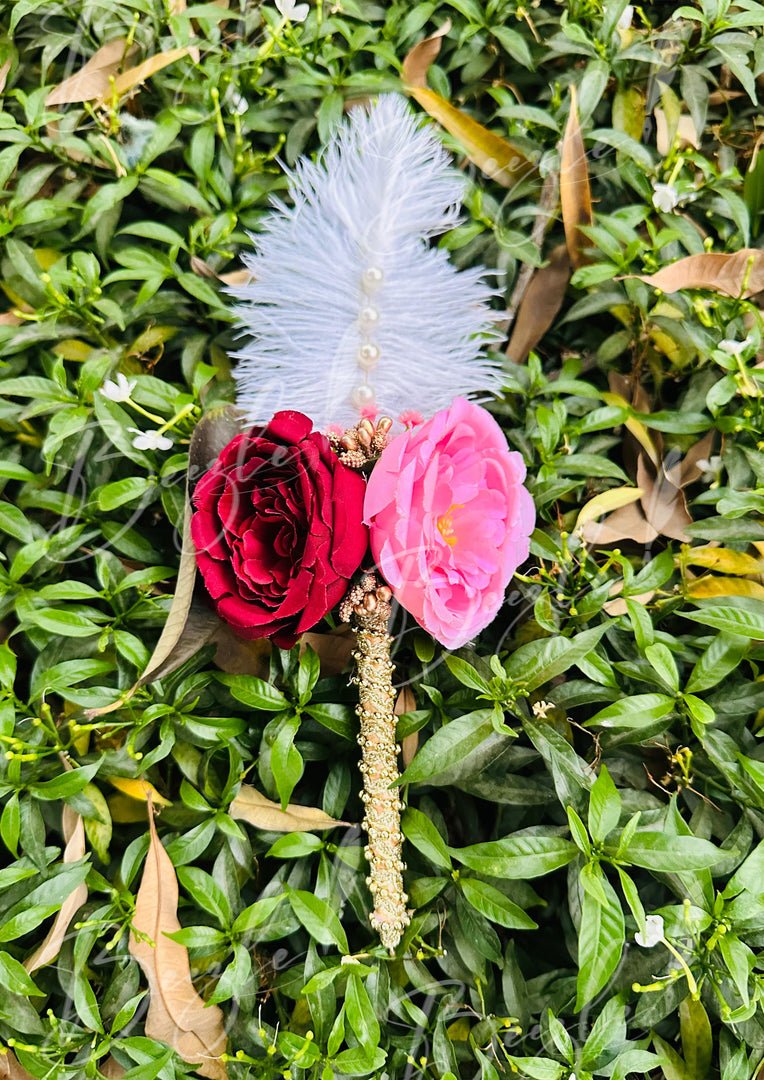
{"x":74,"y":834}
{"x":724,"y":586}
{"x":724,"y":560}
{"x":493,"y":155}
{"x":98,"y":832}
{"x":92,"y":80}
{"x":252,"y":807}
{"x":138,"y":789}
{"x":72,"y":349}
{"x":605,"y":502}
{"x":636,"y":427}
{"x":575,"y":192}
{"x":124,"y":810}
{"x":134,"y":76}
{"x":177,"y":1014}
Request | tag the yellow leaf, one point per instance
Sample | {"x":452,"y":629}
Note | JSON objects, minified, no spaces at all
{"x":492,"y":154}
{"x":98,"y":831}
{"x":636,"y":427}
{"x":177,"y":1015}
{"x":74,"y":834}
{"x":724,"y":586}
{"x":138,"y":789}
{"x":134,"y":76}
{"x":605,"y":502}
{"x":252,"y":807}
{"x":124,"y":810}
{"x":459,"y":1031}
{"x":575,"y":192}
{"x":72,"y":349}
{"x":722,"y":559}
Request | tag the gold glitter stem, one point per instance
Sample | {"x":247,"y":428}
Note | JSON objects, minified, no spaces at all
{"x":379,"y":760}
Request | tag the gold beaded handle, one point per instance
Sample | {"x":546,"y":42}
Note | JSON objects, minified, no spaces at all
{"x":367,"y":608}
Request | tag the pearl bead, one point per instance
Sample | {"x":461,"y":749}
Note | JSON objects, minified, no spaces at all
{"x":362,"y":395}
{"x":368,"y":355}
{"x":372,"y":278}
{"x":369,"y":316}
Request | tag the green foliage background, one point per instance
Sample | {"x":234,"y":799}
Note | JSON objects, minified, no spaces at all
{"x":633,"y":777}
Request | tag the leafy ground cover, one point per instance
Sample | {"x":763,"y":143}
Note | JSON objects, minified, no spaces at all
{"x":585,"y":786}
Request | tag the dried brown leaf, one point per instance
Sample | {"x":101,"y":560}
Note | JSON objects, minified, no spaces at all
{"x":740,"y":274}
{"x":540,"y":304}
{"x":628,"y":523}
{"x":664,"y":138}
{"x":10,"y":1069}
{"x":687,"y":470}
{"x":663,"y":503}
{"x":617,"y":606}
{"x":133,"y":77}
{"x":92,"y":80}
{"x":238,"y":656}
{"x":177,"y":1015}
{"x":9,"y":318}
{"x":111,"y":1069}
{"x":74,"y":833}
{"x":575,"y":192}
{"x":236,"y":277}
{"x":334,"y":649}
{"x":406,"y":702}
{"x":4,"y":70}
{"x":252,"y":807}
{"x":422,"y":55}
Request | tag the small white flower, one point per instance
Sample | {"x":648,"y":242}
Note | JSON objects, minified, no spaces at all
{"x":151,"y":440}
{"x":732,"y":347}
{"x":293,"y":11}
{"x":623,"y":24}
{"x":653,"y":932}
{"x":665,"y":198}
{"x":119,"y":390}
{"x":348,"y":960}
{"x":710,"y":467}
{"x":238,"y":104}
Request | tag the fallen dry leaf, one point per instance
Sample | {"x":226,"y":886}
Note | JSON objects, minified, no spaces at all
{"x":236,"y":277}
{"x":111,"y":1069}
{"x":617,"y":606}
{"x":134,"y":76}
{"x":542,"y":300}
{"x":334,"y":649}
{"x":740,"y":274}
{"x":663,"y":503}
{"x":239,"y":656}
{"x":10,"y":1069}
{"x":496,"y":157}
{"x":575,"y":192}
{"x":406,"y":702}
{"x":9,"y":318}
{"x":73,"y":829}
{"x":252,"y":807}
{"x":177,"y":1015}
{"x":685,"y":131}
{"x":4,"y":70}
{"x":92,"y":80}
{"x":422,"y":55}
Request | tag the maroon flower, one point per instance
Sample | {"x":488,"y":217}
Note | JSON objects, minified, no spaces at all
{"x":278,"y":529}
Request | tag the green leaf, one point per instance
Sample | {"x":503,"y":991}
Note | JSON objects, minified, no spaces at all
{"x":663,"y":663}
{"x":254,"y":692}
{"x":604,"y":806}
{"x":359,"y":1011}
{"x":420,"y":831}
{"x":539,"y":662}
{"x":671,"y":854}
{"x":495,"y":905}
{"x":14,"y":977}
{"x":634,"y":712}
{"x":318,"y":918}
{"x":721,"y":657}
{"x":517,"y":856}
{"x":697,"y":1040}
{"x":466,"y":674}
{"x":600,"y":943}
{"x":744,"y":622}
{"x":448,"y":746}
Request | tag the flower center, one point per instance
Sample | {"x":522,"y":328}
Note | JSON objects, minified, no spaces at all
{"x":446,"y":525}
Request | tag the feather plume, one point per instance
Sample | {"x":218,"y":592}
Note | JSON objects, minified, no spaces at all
{"x":350,"y":311}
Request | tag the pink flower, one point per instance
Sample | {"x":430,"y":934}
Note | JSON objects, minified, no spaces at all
{"x":449,"y":520}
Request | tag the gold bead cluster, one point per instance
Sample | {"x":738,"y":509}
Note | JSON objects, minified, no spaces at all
{"x":363,"y":443}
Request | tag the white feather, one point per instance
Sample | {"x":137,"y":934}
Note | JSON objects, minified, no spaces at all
{"x":383,"y":187}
